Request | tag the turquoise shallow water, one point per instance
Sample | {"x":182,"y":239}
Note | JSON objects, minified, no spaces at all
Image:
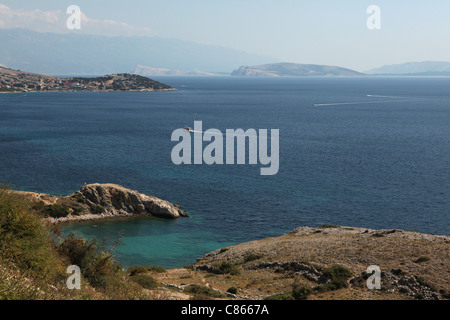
{"x":356,"y":160}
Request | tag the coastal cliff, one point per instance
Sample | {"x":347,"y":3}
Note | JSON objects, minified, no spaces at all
{"x":102,"y":201}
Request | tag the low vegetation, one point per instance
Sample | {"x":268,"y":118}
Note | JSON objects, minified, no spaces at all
{"x":34,"y":258}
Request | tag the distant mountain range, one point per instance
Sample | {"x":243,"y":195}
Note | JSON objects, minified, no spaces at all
{"x":293,"y":69}
{"x":92,"y":55}
{"x":76,"y":54}
{"x":424,"y":68}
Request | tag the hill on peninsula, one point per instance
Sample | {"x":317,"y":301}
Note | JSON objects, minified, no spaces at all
{"x":20,"y":81}
{"x":294,"y":69}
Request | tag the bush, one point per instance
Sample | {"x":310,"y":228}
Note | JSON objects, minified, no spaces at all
{"x":337,"y":272}
{"x":281,"y":296}
{"x":25,"y":240}
{"x":228,"y":268}
{"x":148,"y":282}
{"x":56,"y":211}
{"x":97,"y":209}
{"x":157,"y":269}
{"x":95,"y":263}
{"x":301,"y":292}
{"x":143,"y":269}
{"x":200,"y":292}
{"x":335,"y":277}
{"x":232,"y":290}
{"x":252,"y":257}
{"x":33,"y":265}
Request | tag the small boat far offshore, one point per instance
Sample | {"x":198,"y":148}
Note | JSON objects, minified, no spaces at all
{"x":189,"y":129}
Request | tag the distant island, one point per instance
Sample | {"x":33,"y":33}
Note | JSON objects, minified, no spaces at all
{"x":19,"y":81}
{"x":294,"y":69}
{"x":422,"y":68}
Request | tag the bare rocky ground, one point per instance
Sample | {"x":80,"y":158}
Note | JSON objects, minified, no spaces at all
{"x":413,"y":266}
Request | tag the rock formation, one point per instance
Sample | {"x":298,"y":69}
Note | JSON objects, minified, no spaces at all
{"x":98,"y":201}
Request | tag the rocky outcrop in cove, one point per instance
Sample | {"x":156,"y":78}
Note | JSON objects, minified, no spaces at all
{"x":117,"y":200}
{"x":101,"y":201}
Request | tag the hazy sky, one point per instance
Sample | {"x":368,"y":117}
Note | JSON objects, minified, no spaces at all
{"x":329,"y":32}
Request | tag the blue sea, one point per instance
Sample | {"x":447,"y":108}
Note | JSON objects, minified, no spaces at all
{"x":363,"y":152}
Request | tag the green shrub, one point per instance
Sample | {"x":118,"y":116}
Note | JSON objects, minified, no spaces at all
{"x":33,"y":265}
{"x":232,"y":290}
{"x":201,"y":292}
{"x":143,"y":269}
{"x":56,"y":211}
{"x":92,"y":258}
{"x":228,"y":268}
{"x":301,"y":292}
{"x":97,"y":209}
{"x":337,"y":272}
{"x":336,"y":278}
{"x":157,"y":269}
{"x":146,"y":281}
{"x":252,"y":257}
{"x":137,"y":270}
{"x":281,"y":296}
{"x":25,"y":240}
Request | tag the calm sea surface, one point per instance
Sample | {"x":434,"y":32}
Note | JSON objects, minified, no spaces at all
{"x":373,"y":152}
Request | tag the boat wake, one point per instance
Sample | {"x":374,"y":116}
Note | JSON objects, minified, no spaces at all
{"x":394,"y":99}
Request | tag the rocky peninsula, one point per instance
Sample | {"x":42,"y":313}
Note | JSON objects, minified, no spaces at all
{"x":101,"y":201}
{"x":19,"y":81}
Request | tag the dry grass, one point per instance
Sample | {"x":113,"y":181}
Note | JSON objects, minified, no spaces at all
{"x":398,"y":253}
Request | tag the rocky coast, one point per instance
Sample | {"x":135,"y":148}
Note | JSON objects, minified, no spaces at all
{"x":102,"y":201}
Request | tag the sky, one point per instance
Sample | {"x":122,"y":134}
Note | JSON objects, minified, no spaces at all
{"x":330,"y":32}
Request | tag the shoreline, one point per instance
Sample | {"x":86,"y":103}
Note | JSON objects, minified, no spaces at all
{"x":92,"y":218}
{"x":96,"y":91}
{"x":95,"y":202}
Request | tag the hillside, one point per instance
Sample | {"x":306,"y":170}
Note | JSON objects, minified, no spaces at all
{"x":293,"y":69}
{"x":423,"y":68}
{"x":325,"y":263}
{"x":19,"y":81}
{"x":78,"y":54}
